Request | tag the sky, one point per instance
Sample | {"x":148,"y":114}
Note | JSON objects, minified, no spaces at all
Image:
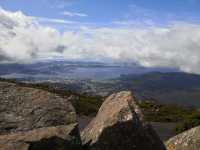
{"x":108,"y":12}
{"x":151,"y":33}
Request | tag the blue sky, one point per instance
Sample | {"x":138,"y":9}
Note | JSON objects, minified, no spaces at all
{"x":151,"y":33}
{"x":105,"y":12}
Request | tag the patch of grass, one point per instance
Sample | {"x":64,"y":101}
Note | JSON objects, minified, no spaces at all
{"x":87,"y":105}
{"x":163,"y":113}
{"x":186,"y":118}
{"x":190,"y":121}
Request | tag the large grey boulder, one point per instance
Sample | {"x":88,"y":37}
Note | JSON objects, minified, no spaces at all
{"x":33,"y":119}
{"x":119,"y":126}
{"x":24,"y":109}
{"x":188,"y":140}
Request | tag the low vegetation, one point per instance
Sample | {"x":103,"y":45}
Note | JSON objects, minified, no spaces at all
{"x":189,"y":121}
{"x":163,"y":113}
{"x":87,"y":105}
{"x":185,"y":118}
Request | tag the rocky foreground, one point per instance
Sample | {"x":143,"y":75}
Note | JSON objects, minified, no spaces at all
{"x":118,"y":125}
{"x":33,"y":119}
{"x":188,"y":140}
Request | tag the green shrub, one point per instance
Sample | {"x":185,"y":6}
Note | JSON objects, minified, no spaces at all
{"x":87,"y":105}
{"x":163,"y":113}
{"x":189,"y":122}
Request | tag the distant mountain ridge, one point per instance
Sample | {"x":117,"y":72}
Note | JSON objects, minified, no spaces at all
{"x":166,"y":88}
{"x":93,"y":78}
{"x":72,"y":70}
{"x":175,"y":87}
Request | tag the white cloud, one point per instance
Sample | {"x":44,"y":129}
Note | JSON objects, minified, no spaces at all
{"x":53,"y":20}
{"x":73,"y":14}
{"x":23,"y":39}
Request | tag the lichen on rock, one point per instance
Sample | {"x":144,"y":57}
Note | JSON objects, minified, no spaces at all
{"x":188,"y":140}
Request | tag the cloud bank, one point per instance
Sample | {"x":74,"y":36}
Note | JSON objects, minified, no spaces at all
{"x":23,"y":39}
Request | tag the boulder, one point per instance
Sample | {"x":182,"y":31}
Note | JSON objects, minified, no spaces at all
{"x":24,"y":109}
{"x":188,"y":140}
{"x":34,"y":119}
{"x":119,"y":126}
{"x":48,"y":138}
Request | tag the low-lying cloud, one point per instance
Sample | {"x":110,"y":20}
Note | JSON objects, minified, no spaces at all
{"x":23,"y":39}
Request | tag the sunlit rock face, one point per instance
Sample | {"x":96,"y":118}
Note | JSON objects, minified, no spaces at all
{"x":188,"y":140}
{"x":119,"y":126}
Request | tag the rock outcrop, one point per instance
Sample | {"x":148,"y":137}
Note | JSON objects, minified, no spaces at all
{"x":48,"y":138}
{"x":188,"y":140}
{"x":33,"y":119}
{"x":119,"y":126}
{"x":24,"y":109}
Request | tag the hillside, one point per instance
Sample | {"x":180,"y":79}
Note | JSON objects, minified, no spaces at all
{"x":166,"y":88}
